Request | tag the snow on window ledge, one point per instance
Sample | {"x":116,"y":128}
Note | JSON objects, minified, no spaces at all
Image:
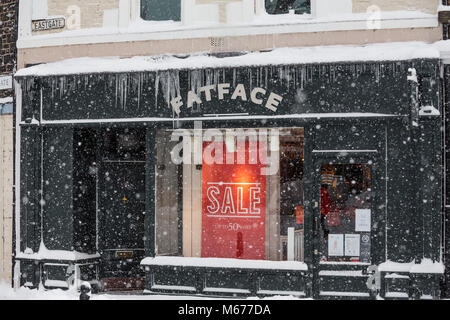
{"x":141,"y":30}
{"x":59,"y":255}
{"x":426,"y":266}
{"x":429,"y":111}
{"x":224,"y":263}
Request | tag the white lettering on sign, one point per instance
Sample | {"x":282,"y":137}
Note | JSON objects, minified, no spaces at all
{"x":235,"y":199}
{"x":48,"y":24}
{"x":257,"y":96}
{"x":5,"y":83}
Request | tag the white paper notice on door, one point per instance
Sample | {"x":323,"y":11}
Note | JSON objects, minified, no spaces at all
{"x":335,"y":244}
{"x":362,"y":220}
{"x":352,"y":242}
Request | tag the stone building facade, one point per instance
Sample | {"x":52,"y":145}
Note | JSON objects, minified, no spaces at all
{"x":98,"y":116}
{"x":8,"y":36}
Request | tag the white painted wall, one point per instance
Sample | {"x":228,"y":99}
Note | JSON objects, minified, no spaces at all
{"x":327,"y":8}
{"x":40,"y":9}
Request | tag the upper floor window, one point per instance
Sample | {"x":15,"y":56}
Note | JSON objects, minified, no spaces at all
{"x":284,"y":6}
{"x":157,"y":10}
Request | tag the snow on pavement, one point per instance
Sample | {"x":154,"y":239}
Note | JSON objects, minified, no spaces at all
{"x":8,"y":293}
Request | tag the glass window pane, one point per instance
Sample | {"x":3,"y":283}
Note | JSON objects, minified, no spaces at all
{"x":230,"y":193}
{"x":345,"y":199}
{"x":283,"y":6}
{"x":157,"y":10}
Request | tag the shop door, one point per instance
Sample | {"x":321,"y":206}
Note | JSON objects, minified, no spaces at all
{"x":121,"y":225}
{"x":346,"y":208}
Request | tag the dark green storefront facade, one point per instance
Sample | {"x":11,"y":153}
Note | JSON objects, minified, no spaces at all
{"x":366,"y":116}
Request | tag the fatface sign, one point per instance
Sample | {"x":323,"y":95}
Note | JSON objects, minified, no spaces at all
{"x":233,"y":206}
{"x":48,"y":24}
{"x":258,"y":96}
{"x":5,"y":83}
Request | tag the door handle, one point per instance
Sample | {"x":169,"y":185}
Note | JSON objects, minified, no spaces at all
{"x":316,"y":227}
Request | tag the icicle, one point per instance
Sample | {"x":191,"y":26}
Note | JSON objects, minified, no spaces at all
{"x":156,"y":89}
{"x":139,"y":90}
{"x":117,"y":88}
{"x":61,"y":87}
{"x":266,"y":76}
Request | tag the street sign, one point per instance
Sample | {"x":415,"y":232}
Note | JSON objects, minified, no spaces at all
{"x":5,"y":82}
{"x":48,"y":24}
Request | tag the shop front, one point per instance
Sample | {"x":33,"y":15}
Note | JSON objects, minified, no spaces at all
{"x":312,"y":180}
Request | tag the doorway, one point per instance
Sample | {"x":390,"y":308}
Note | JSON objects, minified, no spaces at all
{"x":121,"y":198}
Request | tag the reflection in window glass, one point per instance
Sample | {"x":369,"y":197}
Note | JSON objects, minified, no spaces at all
{"x":157,"y":10}
{"x":230,"y":193}
{"x":345,"y":199}
{"x":283,"y":6}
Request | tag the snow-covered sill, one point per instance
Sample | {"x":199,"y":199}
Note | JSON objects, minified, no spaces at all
{"x":441,"y":7}
{"x":56,"y":284}
{"x":342,"y":273}
{"x":393,"y":51}
{"x":57,"y":255}
{"x":224,"y":263}
{"x":345,"y":263}
{"x":344,"y":293}
{"x":262,"y":25}
{"x":426,"y":266}
{"x":54,"y":255}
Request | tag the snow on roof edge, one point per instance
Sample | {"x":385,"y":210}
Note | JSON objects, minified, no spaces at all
{"x":394,"y":51}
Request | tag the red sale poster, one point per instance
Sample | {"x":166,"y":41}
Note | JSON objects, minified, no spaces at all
{"x":234,"y":201}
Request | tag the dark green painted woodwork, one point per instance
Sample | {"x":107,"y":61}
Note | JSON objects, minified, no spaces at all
{"x":330,"y":88}
{"x":57,"y":170}
{"x":430,"y":186}
{"x":406,"y":219}
{"x":217,"y":281}
{"x":156,"y":10}
{"x":150,"y":205}
{"x":30,"y":186}
{"x":84,"y":189}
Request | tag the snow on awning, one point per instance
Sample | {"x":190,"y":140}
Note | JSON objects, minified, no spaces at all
{"x":397,"y":51}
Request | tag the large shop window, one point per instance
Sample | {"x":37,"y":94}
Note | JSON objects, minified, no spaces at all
{"x":157,"y":10}
{"x":230,"y":193}
{"x":285,"y":6}
{"x":345,"y":210}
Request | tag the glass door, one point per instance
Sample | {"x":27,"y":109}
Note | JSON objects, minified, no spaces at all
{"x":345,"y":212}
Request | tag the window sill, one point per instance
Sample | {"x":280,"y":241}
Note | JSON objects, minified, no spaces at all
{"x":226,"y":263}
{"x":141,"y":30}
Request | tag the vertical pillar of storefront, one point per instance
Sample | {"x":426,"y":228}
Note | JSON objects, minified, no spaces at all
{"x":312,"y":213}
{"x":430,"y":186}
{"x":446,"y":173}
{"x":429,"y":141}
{"x":30,"y":186}
{"x":57,"y":199}
{"x":416,"y":168}
{"x":150,"y":161}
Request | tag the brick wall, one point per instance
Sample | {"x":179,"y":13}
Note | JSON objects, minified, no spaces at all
{"x":8,"y":35}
